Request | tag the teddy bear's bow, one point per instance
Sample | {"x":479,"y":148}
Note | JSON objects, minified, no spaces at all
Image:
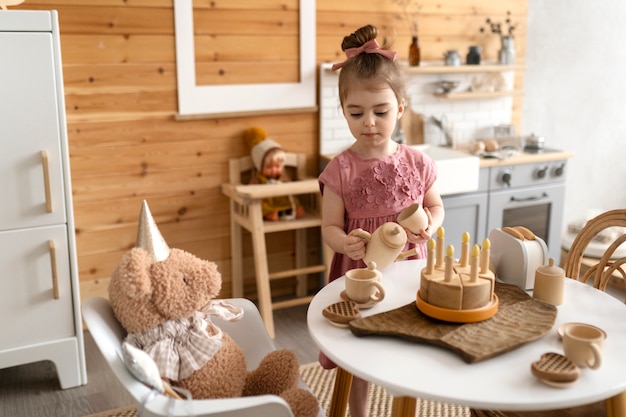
{"x":180,"y":347}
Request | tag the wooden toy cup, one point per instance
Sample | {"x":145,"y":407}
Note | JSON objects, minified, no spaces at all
{"x":413,"y":218}
{"x":363,"y":286}
{"x":582,"y":344}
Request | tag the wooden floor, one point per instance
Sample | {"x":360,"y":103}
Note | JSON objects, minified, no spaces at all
{"x":34,"y":390}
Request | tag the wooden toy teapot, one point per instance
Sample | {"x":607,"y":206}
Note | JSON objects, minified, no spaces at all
{"x":385,"y":245}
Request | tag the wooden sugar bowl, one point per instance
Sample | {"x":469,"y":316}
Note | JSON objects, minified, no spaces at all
{"x":549,"y":283}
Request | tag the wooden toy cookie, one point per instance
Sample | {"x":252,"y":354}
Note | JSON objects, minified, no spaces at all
{"x":342,"y":313}
{"x":553,"y":367}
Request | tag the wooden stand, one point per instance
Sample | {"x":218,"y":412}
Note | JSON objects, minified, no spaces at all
{"x":246,"y":213}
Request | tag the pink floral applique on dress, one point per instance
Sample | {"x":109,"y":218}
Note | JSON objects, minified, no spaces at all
{"x":385,"y":184}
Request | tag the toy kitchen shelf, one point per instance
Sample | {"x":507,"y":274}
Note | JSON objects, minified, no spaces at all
{"x":473,"y":94}
{"x":439,"y":68}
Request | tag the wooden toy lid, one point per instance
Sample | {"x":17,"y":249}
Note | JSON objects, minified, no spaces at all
{"x":393,"y":235}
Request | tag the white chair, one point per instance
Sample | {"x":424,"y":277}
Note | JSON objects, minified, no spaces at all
{"x":249,"y":333}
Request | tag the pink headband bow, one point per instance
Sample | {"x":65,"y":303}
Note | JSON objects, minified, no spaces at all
{"x":369,"y":47}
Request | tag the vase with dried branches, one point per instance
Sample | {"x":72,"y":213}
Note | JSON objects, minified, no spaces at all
{"x":506,"y":54}
{"x":410,"y":10}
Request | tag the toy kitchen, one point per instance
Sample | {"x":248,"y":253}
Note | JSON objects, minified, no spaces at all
{"x":488,"y":176}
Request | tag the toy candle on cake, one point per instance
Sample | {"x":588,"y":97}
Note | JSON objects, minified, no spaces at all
{"x":440,"y":242}
{"x":465,"y":249}
{"x":474,"y":263}
{"x":430,"y":258}
{"x":449,"y":263}
{"x":484,"y":256}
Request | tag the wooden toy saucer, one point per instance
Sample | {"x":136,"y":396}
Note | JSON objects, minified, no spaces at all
{"x":458,"y":316}
{"x":362,"y":306}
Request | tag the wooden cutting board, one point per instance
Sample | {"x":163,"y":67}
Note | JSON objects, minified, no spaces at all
{"x":520,"y":319}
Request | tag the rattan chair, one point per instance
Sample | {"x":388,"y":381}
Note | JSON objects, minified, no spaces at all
{"x":609,"y":264}
{"x":246,"y":213}
{"x":602,"y":272}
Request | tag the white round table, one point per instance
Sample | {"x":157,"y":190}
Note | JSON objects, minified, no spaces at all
{"x":408,"y":369}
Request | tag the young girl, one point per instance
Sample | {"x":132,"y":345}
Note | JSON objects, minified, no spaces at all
{"x":371,"y":182}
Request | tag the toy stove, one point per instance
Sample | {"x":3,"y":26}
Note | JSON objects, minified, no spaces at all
{"x":530,"y":195}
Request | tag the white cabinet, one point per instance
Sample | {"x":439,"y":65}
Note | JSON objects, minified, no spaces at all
{"x":467,"y":212}
{"x":39,"y":294}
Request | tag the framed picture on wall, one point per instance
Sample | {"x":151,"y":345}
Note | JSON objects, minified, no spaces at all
{"x":232,"y":59}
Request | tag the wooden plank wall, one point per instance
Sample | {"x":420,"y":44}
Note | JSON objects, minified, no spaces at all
{"x":126,"y":145}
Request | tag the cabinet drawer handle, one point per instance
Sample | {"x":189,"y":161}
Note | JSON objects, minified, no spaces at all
{"x":53,"y":263}
{"x":46,"y":180}
{"x":531,"y":198}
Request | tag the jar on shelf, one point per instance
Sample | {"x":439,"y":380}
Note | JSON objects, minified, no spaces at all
{"x":452,"y":58}
{"x":506,"y":55}
{"x":414,"y":52}
{"x":473,"y":56}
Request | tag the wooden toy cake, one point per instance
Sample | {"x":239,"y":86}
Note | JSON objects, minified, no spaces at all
{"x":460,"y":291}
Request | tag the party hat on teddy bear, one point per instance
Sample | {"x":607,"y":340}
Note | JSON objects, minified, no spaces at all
{"x":149,"y":237}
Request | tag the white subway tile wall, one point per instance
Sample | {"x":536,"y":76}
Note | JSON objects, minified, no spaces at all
{"x":469,"y":119}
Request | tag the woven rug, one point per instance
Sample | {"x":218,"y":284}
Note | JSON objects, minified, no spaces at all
{"x":321,"y":383}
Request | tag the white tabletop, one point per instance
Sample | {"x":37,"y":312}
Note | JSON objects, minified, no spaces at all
{"x":504,"y":382}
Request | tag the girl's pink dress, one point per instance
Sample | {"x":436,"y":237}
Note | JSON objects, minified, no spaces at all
{"x":375,"y":190}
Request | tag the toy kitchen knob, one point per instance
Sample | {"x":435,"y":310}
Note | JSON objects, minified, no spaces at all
{"x":549,"y":283}
{"x":505,"y":178}
{"x":541,"y":172}
{"x":559,"y":170}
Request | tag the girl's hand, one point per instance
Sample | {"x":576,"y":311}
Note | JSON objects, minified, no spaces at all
{"x":354,"y":245}
{"x":424,"y":234}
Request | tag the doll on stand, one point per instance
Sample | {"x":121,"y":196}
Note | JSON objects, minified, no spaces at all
{"x":268,"y":158}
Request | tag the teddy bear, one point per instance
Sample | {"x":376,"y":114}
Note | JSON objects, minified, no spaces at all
{"x":165,"y":298}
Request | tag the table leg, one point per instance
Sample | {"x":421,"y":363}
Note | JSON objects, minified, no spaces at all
{"x":616,"y":406}
{"x":341,"y":391}
{"x":403,"y":407}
